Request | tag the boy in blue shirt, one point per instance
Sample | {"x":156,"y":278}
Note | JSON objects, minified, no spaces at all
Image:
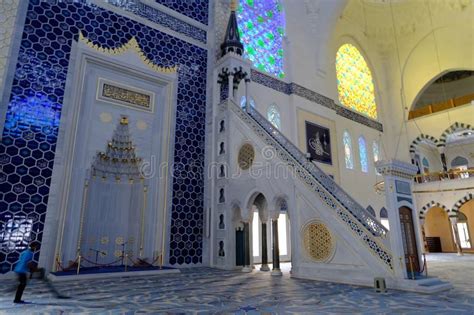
{"x":22,"y":268}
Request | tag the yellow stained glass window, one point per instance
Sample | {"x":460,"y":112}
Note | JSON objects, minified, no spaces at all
{"x":354,"y":81}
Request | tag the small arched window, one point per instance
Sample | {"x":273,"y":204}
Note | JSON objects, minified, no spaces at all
{"x":376,"y":153}
{"x":426,"y":165}
{"x":371,"y":210}
{"x":273,"y":116}
{"x":459,"y":162}
{"x":243,"y":99}
{"x":354,"y":81}
{"x":384,"y":218}
{"x":364,"y":165}
{"x":346,"y":140}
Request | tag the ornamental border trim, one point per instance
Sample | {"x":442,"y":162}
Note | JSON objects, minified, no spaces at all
{"x":294,"y":88}
{"x":159,"y":17}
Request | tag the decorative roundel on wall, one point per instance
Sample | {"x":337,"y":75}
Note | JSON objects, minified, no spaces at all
{"x":246,"y":156}
{"x":318,"y":241}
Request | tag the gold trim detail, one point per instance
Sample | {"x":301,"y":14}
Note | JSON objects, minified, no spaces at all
{"x":132,"y":44}
{"x":246,"y":156}
{"x":318,"y":241}
{"x":441,"y":190}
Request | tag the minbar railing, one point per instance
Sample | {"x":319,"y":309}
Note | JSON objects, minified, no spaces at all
{"x":359,"y":212}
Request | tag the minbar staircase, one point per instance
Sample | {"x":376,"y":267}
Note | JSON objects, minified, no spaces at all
{"x":365,"y":227}
{"x":371,"y":232}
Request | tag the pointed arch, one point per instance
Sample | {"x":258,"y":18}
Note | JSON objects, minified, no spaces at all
{"x":462,"y":201}
{"x":431,"y":204}
{"x":371,"y":211}
{"x":430,"y":140}
{"x":457,"y":126}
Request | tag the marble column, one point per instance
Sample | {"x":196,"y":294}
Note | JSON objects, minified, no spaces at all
{"x":443,"y":160}
{"x":276,"y":250}
{"x":264,"y":248}
{"x":457,"y":240}
{"x":247,"y":267}
{"x":423,"y":235}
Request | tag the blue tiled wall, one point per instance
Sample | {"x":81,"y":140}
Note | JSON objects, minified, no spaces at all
{"x":33,"y":117}
{"x":195,"y":9}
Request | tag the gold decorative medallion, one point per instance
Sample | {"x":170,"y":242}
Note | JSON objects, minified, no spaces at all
{"x":119,"y":240}
{"x":104,"y":240}
{"x":246,"y":156}
{"x":318,"y":241}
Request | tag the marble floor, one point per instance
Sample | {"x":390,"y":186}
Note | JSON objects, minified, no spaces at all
{"x":210,"y":291}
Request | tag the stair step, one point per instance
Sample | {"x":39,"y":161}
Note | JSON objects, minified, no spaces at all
{"x":430,"y":282}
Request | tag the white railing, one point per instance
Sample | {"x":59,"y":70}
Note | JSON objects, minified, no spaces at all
{"x":359,"y":212}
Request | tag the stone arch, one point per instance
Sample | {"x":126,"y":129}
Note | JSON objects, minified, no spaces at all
{"x":429,"y":205}
{"x":422,"y":138}
{"x":462,"y":201}
{"x":457,"y":126}
{"x":278,"y":202}
{"x":252,"y":198}
{"x":236,"y":210}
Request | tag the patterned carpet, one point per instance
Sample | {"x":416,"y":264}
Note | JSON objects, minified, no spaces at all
{"x":210,"y":291}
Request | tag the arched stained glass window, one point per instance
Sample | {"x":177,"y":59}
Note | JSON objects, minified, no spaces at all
{"x":262,"y":27}
{"x":242,"y":102}
{"x":376,"y":153}
{"x":354,"y":81}
{"x":346,"y":140}
{"x":364,"y":165}
{"x":273,"y":116}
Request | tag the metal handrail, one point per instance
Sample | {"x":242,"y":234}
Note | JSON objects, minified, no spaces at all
{"x":359,"y":212}
{"x":448,"y":175}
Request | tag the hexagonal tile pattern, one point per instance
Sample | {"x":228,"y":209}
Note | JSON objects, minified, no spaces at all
{"x":34,"y":110}
{"x":195,"y":9}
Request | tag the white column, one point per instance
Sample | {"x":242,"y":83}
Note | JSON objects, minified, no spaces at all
{"x":457,"y":240}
